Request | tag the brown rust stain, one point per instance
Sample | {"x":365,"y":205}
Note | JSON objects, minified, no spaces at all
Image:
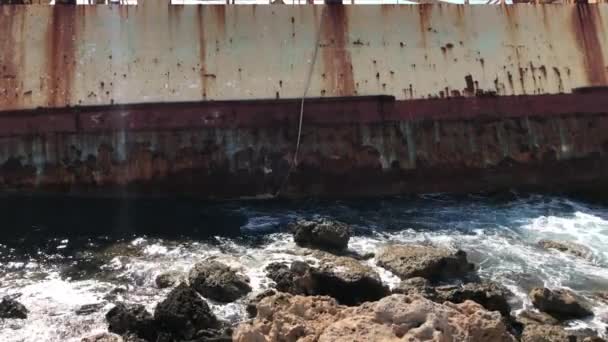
{"x":202,"y":50}
{"x":61,"y":63}
{"x":12,"y":56}
{"x":220,"y":19}
{"x":424,"y":15}
{"x":337,"y":61}
{"x":8,"y":64}
{"x":585,"y":20}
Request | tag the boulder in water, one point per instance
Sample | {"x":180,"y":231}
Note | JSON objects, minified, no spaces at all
{"x":294,"y":279}
{"x":168,"y":279}
{"x":432,"y":263}
{"x":343,"y":278}
{"x":217,"y":281}
{"x":131,"y":318}
{"x":251,"y":306}
{"x":347,"y":280}
{"x":393,"y":318}
{"x":322,"y":234}
{"x":490,"y":295}
{"x":88,"y":309}
{"x":567,"y":247}
{"x":416,"y":286}
{"x":555,"y":333}
{"x":103,"y":337}
{"x":529,"y":317}
{"x":183,"y":313}
{"x":10,"y":308}
{"x":560,"y":303}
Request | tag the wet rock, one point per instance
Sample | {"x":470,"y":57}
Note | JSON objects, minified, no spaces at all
{"x":347,"y":280}
{"x":103,"y":337}
{"x":10,"y":308}
{"x":490,"y":295}
{"x":183,"y":313}
{"x":214,"y":335}
{"x":131,"y":318}
{"x":586,"y":335}
{"x":396,"y":317}
{"x":88,"y":309}
{"x":169,"y":279}
{"x":567,"y":247}
{"x":251,"y":306}
{"x":560,"y":303}
{"x":432,"y":263}
{"x":322,"y":234}
{"x":294,"y":279}
{"x":343,"y":278}
{"x":555,"y":333}
{"x":416,"y":285}
{"x":217,"y":281}
{"x":115,"y":294}
{"x":529,"y":317}
{"x":602,"y":296}
{"x":130,"y":337}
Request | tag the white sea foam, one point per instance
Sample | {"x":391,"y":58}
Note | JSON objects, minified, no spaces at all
{"x":502,"y":242}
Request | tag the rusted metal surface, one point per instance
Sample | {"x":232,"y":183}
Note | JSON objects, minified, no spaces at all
{"x":353,"y":146}
{"x":403,"y":99}
{"x":90,"y":55}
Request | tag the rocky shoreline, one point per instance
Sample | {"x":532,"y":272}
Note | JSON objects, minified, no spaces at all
{"x":341,"y":297}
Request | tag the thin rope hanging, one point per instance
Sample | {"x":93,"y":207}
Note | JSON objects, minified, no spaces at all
{"x":294,"y":161}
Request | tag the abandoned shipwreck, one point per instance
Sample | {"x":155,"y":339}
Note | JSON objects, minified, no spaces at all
{"x":124,"y":128}
{"x":260,"y":101}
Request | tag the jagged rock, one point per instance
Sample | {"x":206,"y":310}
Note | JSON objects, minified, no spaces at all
{"x":183,"y":313}
{"x":397,"y":317}
{"x":214,"y":335}
{"x":168,"y":279}
{"x":602,"y":295}
{"x":88,"y":309}
{"x":416,"y":285}
{"x":10,"y":308}
{"x":555,"y":333}
{"x":432,"y":263}
{"x":115,"y":294}
{"x":251,"y":306}
{"x":323,"y":234}
{"x":294,"y":279}
{"x":130,"y":337}
{"x":343,"y":278}
{"x":347,"y":280}
{"x":560,"y":303}
{"x":217,"y":281}
{"x":586,"y":335}
{"x":567,"y":247}
{"x":103,"y":337}
{"x":131,"y":318}
{"x":529,"y":317}
{"x":490,"y":295}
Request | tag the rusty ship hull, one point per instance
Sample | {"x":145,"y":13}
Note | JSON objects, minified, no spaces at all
{"x":206,"y":101}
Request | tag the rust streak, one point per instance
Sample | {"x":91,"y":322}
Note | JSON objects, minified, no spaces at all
{"x":336,"y":57}
{"x":202,"y":50}
{"x":61,"y":36}
{"x":12,"y":58}
{"x":220,"y":18}
{"x":424,"y":13}
{"x":584,"y":22}
{"x":8,"y":68}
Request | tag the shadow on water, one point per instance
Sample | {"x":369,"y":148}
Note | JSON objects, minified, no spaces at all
{"x":80,"y":230}
{"x":32,"y":221}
